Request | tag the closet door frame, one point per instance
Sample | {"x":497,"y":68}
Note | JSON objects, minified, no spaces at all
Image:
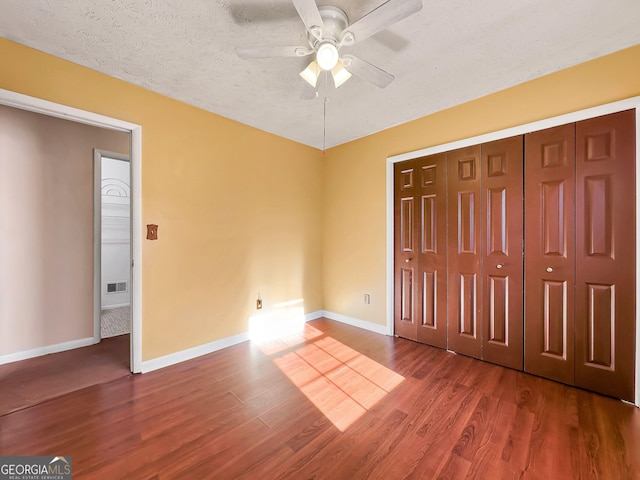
{"x":630,"y":103}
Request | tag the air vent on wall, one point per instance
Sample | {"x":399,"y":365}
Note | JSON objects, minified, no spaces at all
{"x":118,"y":287}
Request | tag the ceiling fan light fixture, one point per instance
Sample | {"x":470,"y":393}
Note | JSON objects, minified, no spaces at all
{"x":340,"y":75}
{"x":311,"y":73}
{"x":327,"y":56}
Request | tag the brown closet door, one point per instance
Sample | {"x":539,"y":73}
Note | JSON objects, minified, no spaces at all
{"x":405,"y":249}
{"x":549,"y":253}
{"x":431,"y":296}
{"x":420,"y":250}
{"x":502,"y":266}
{"x":605,"y":254}
{"x":464,"y":282}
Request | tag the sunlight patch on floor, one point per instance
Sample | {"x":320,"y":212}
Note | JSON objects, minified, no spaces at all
{"x":281,"y":327}
{"x":341,"y":382}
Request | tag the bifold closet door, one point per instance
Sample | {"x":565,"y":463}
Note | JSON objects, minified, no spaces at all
{"x":420,"y":250}
{"x":432,"y":248}
{"x":549,"y":253}
{"x":485,"y":251}
{"x":464,"y":252}
{"x":502,"y":264}
{"x":606,"y":254}
{"x":405,"y":258}
{"x":580,"y":254}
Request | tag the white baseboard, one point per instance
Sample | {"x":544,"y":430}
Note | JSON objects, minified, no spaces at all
{"x":200,"y":350}
{"x":38,"y":352}
{"x":111,"y":307}
{"x":314,"y":315}
{"x":355,"y":322}
{"x":191,"y":353}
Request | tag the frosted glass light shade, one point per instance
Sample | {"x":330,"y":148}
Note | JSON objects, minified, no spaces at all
{"x":340,"y":75}
{"x":311,"y":73}
{"x":327,"y":56}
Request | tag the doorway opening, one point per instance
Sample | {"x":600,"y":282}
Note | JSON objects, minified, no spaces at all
{"x":50,"y":109}
{"x":112,"y":237}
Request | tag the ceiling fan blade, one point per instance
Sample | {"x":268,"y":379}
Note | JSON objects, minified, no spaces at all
{"x":268,"y":52}
{"x":390,"y":12}
{"x":367,"y":71}
{"x":310,"y":15}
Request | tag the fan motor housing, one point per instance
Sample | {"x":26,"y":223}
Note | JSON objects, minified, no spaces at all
{"x":335,"y":21}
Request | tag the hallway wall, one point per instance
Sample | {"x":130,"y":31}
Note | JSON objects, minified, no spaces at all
{"x":46,"y":226}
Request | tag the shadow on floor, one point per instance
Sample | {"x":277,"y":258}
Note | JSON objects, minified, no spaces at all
{"x":36,"y":380}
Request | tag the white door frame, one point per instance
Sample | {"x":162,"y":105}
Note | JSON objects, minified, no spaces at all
{"x":98,"y":154}
{"x":606,"y":109}
{"x":52,"y":109}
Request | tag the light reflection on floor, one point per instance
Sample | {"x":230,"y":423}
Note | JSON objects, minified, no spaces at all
{"x":340,"y":381}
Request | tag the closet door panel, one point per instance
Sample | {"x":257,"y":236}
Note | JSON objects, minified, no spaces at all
{"x":605,"y":254}
{"x":502,"y":166}
{"x":464,"y":252}
{"x":405,"y":249}
{"x":432,"y":258}
{"x":549,"y":253}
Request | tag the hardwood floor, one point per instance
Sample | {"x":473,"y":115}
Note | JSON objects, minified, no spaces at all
{"x":29,"y":382}
{"x":338,"y":403}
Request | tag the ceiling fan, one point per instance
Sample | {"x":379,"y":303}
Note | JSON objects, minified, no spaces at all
{"x":328,"y":30}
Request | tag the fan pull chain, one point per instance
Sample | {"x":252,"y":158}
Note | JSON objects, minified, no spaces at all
{"x":324,"y":115}
{"x":324,"y":126}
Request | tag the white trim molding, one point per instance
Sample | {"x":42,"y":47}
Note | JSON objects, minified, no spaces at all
{"x":627,"y":104}
{"x":314,"y":315}
{"x":191,"y":353}
{"x":207,"y":348}
{"x":356,"y":322}
{"x":40,"y":351}
{"x":593,"y":112}
{"x":198,"y":351}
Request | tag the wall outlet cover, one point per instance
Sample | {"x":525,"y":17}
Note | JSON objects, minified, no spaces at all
{"x":152,"y":232}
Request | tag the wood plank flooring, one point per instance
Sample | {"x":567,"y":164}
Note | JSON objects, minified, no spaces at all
{"x":334,"y":402}
{"x":36,"y":380}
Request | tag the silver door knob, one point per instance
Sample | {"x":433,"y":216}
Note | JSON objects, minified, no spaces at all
{"x":407,"y":260}
{"x":549,"y":269}
{"x":500,"y":265}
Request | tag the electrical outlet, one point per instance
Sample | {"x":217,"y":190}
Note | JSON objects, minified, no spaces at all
{"x":258,"y":304}
{"x":367,"y":298}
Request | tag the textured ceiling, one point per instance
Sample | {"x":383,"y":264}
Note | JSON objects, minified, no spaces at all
{"x":450,"y":52}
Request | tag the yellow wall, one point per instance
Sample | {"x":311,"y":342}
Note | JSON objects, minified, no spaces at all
{"x":243,"y":212}
{"x":238,"y":209}
{"x":354,"y":209}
